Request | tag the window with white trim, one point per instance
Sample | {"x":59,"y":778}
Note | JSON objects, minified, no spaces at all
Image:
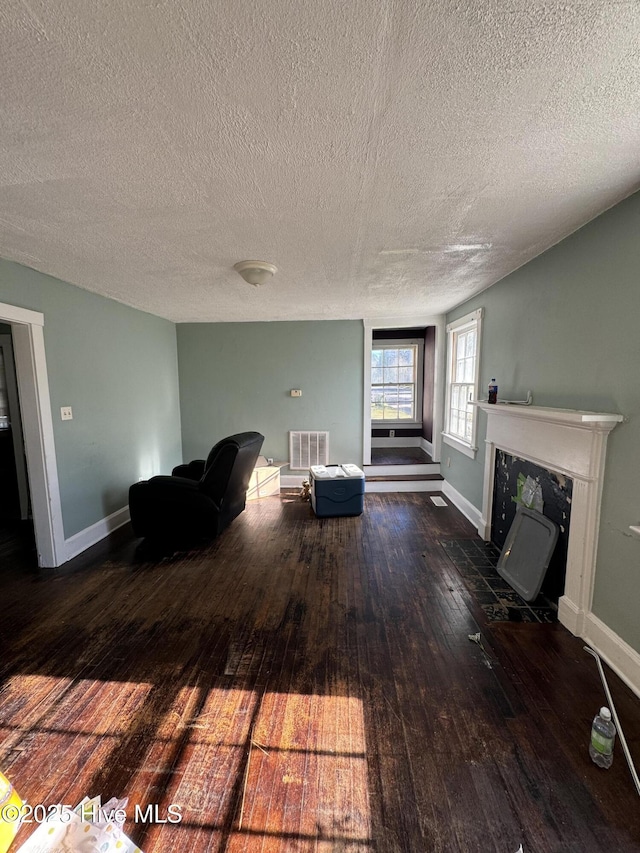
{"x":396,"y":381}
{"x":463,"y":363}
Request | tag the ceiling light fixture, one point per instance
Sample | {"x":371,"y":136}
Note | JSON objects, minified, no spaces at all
{"x":255,"y":272}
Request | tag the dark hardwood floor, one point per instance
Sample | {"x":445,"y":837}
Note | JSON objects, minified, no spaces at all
{"x":307,"y":685}
{"x":17,"y":543}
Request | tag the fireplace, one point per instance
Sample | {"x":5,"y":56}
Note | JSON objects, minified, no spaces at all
{"x":555,"y":493}
{"x":568,"y":443}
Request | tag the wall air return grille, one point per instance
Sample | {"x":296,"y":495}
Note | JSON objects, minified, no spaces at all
{"x":307,"y":449}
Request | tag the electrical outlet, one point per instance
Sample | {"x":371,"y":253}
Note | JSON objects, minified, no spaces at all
{"x":66,"y":413}
{"x":296,"y":392}
{"x":392,"y":433}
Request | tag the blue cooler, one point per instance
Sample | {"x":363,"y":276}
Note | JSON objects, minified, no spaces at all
{"x":336,"y":490}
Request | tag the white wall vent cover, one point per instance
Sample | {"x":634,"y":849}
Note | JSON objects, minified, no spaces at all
{"x":307,"y":449}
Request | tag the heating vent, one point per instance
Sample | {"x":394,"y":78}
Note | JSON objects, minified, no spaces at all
{"x":307,"y":449}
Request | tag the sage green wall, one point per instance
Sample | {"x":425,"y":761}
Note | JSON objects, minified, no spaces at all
{"x":566,"y":326}
{"x":117,"y":368}
{"x":237,"y":376}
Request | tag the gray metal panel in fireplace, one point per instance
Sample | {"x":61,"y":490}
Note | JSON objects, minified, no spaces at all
{"x":557,"y":491}
{"x":527,"y":550}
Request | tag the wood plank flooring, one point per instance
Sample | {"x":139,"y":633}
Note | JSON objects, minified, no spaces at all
{"x":307,"y":685}
{"x":399,"y":456}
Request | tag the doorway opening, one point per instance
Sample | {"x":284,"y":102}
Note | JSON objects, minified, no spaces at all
{"x":403,"y":404}
{"x":418,"y":420}
{"x":402,"y":396}
{"x":16,"y":524}
{"x":40,"y":491}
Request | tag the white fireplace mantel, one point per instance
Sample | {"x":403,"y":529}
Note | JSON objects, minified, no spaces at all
{"x":571,"y":417}
{"x":569,"y":442}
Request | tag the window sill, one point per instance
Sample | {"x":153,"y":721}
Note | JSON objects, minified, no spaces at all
{"x":460,"y":445}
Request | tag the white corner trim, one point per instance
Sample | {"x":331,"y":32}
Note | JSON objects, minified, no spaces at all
{"x":466,"y":507}
{"x":84,"y":539}
{"x":569,"y":614}
{"x":427,"y":446}
{"x":619,"y":655}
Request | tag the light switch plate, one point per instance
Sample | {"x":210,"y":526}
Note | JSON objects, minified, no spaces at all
{"x":66,"y":413}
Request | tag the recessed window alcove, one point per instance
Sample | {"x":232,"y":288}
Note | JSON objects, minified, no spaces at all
{"x":571,"y":443}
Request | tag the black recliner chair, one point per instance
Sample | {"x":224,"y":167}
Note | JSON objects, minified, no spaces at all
{"x":199,"y":499}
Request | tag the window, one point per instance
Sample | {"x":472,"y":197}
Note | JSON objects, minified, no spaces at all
{"x":463,"y":352}
{"x":396,"y":381}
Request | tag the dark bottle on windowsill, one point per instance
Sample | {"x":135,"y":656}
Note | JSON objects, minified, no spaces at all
{"x":493,"y":391}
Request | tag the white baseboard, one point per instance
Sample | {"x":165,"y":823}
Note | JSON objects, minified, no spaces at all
{"x":623,"y":660}
{"x":460,"y":502}
{"x":79,"y":542}
{"x":403,"y":486}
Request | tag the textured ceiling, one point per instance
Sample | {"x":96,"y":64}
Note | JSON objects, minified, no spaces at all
{"x":390,"y":157}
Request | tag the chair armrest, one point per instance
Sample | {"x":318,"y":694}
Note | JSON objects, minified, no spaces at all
{"x":164,"y":481}
{"x":191,"y":470}
{"x":182,"y":489}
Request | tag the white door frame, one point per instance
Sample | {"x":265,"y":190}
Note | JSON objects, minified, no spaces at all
{"x":419,"y":321}
{"x":15,"y":421}
{"x":27,"y":329}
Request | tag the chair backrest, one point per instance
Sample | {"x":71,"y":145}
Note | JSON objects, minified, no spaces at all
{"x":229,"y":466}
